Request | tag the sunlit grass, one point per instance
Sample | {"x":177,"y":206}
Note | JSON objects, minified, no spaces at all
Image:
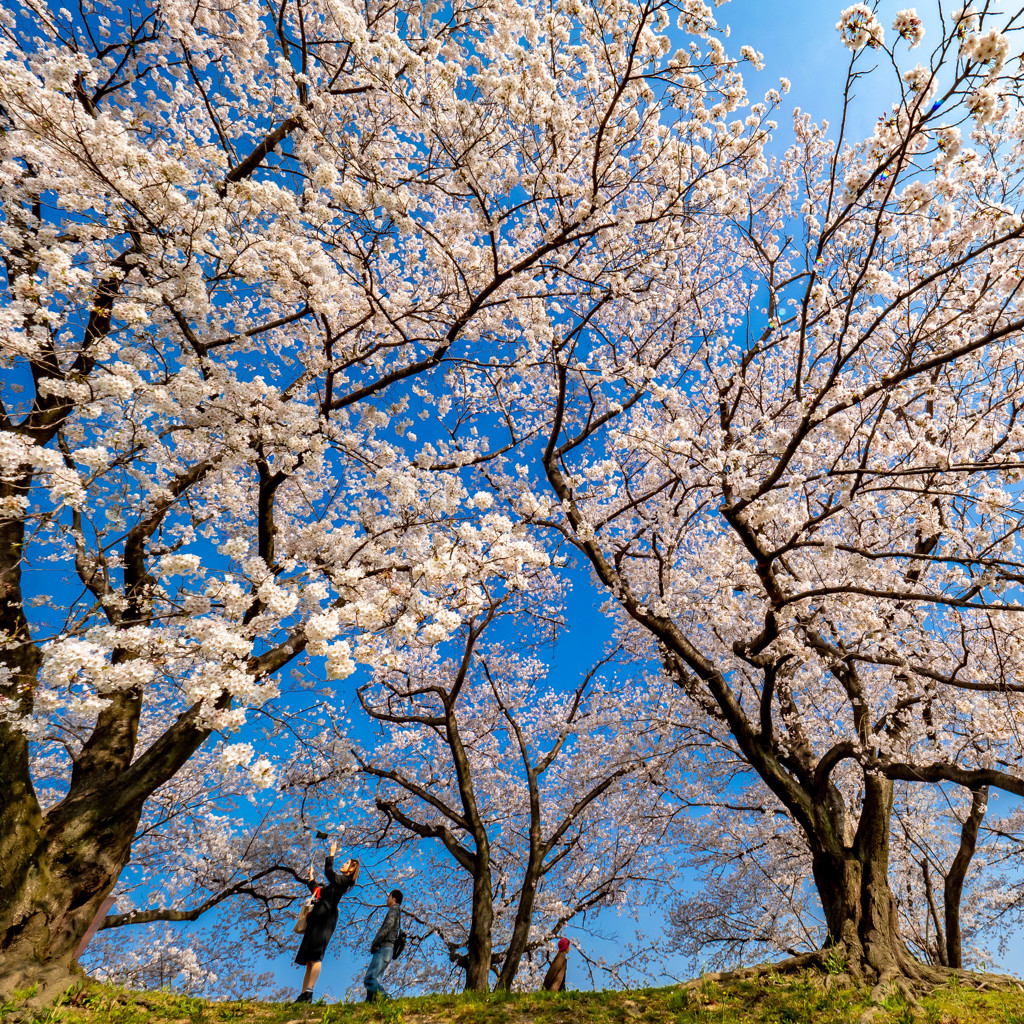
{"x":797,"y":999}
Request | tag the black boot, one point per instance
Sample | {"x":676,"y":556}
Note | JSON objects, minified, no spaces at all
{"x":304,"y":997}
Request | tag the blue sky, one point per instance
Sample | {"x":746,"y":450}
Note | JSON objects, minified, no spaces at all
{"x":799,"y":41}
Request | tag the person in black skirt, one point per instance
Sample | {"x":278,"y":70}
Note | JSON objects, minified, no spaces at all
{"x":322,"y":919}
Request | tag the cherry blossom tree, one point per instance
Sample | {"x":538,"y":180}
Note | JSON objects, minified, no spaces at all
{"x":804,"y":496}
{"x":215,"y":845}
{"x":950,"y":872}
{"x":242,"y":250}
{"x":533,"y":804}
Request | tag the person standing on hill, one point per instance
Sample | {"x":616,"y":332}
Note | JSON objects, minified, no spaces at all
{"x":322,"y":919}
{"x":554,"y":980}
{"x":383,"y":946}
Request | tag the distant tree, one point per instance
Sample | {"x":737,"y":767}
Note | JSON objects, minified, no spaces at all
{"x":534,"y":803}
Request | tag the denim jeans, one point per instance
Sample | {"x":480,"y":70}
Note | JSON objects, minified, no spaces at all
{"x":378,"y":965}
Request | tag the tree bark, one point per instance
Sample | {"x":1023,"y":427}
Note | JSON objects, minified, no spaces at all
{"x":954,"y":884}
{"x":24,"y":866}
{"x":58,"y":867}
{"x":860,"y":911}
{"x":479,"y":944}
{"x":852,"y":880}
{"x":61,"y":872}
{"x":520,"y":929}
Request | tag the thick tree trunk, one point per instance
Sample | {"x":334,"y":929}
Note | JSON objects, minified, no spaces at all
{"x":478,"y":953}
{"x":55,"y":868}
{"x":853,"y":883}
{"x":861,"y":914}
{"x":58,"y":867}
{"x":61,"y":874}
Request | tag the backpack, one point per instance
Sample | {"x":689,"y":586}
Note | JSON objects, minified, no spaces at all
{"x":399,"y":945}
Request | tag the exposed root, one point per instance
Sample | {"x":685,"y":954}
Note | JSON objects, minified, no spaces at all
{"x":790,"y":966}
{"x":983,"y":982}
{"x":842,"y":981}
{"x":917,"y":979}
{"x":889,"y":981}
{"x":41,"y":983}
{"x":883,"y":986}
{"x":869,"y":1013}
{"x":910,"y":978}
{"x":908,"y":993}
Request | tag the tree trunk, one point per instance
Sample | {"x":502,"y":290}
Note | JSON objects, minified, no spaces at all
{"x":58,"y":867}
{"x":853,"y":884}
{"x":520,"y":929}
{"x":861,"y":914}
{"x":953,"y":887}
{"x":478,"y":953}
{"x":61,"y":874}
{"x":937,"y":950}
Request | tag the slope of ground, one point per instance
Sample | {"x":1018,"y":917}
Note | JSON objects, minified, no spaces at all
{"x":803,"y":999}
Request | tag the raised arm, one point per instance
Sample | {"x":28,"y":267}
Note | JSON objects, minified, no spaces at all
{"x":333,"y":877}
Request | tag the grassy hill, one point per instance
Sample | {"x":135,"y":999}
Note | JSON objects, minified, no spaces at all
{"x":801,"y":999}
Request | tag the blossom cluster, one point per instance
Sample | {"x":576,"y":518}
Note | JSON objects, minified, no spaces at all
{"x":858,"y":27}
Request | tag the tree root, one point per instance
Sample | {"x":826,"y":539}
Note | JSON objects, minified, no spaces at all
{"x":984,"y":982}
{"x":790,"y":966}
{"x":41,"y":984}
{"x":917,"y":980}
{"x":840,"y":981}
{"x":888,"y":982}
{"x":910,"y":978}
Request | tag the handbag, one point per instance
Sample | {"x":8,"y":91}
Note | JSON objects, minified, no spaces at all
{"x":307,"y":906}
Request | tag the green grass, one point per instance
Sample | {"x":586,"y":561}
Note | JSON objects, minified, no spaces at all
{"x":794,"y":999}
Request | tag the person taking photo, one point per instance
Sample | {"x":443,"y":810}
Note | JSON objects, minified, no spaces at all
{"x":322,"y":918}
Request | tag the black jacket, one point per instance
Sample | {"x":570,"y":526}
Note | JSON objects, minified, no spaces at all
{"x":387,"y":933}
{"x":323,"y":918}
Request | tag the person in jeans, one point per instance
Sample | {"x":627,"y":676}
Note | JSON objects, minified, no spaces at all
{"x":383,"y":946}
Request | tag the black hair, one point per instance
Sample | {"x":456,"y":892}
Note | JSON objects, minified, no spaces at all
{"x":396,"y":894}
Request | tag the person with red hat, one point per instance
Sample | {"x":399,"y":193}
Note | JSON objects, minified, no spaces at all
{"x":554,"y":980}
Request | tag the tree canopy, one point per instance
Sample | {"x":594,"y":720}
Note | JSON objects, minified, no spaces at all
{"x":330,"y":331}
